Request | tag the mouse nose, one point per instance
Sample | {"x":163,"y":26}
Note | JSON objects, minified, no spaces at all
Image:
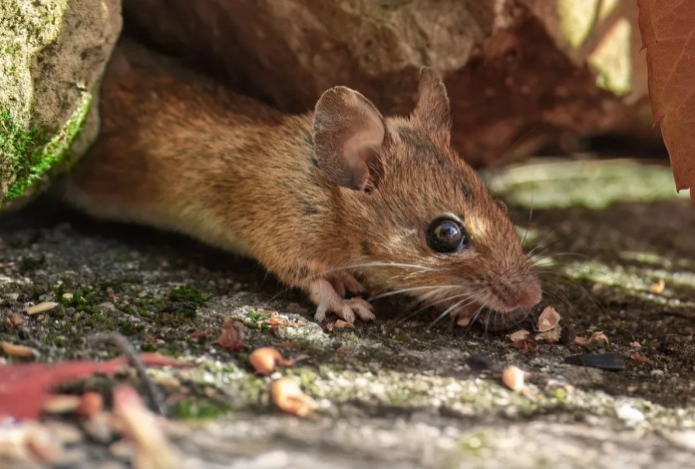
{"x":529,"y":296}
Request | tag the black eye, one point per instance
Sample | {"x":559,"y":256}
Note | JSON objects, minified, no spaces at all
{"x":446,"y":235}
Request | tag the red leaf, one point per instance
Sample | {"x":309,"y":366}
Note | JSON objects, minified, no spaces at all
{"x":232,"y":337}
{"x":668,"y":34}
{"x":25,"y":386}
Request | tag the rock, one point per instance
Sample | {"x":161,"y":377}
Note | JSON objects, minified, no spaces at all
{"x":521,"y":74}
{"x":53,"y":55}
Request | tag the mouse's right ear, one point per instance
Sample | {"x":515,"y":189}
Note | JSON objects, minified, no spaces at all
{"x":348,"y":133}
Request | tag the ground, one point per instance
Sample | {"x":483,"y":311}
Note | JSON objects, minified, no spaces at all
{"x":396,"y":393}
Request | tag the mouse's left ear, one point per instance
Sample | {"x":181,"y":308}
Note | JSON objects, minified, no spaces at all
{"x":432,"y":110}
{"x":349,"y":131}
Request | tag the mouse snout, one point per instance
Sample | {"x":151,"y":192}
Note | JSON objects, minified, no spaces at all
{"x":529,"y":296}
{"x":515,"y":295}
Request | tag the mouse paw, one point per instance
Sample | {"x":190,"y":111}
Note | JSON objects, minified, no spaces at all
{"x":324,"y":295}
{"x":343,"y":282}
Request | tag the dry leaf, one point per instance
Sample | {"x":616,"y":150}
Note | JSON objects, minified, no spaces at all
{"x":202,"y":333}
{"x":232,"y":338}
{"x":658,"y":287}
{"x":513,"y":378}
{"x":582,"y":340}
{"x":548,"y":319}
{"x":598,"y":337}
{"x":13,"y":320}
{"x":525,"y":345}
{"x":40,"y":308}
{"x":552,"y":336}
{"x":638,"y":357}
{"x":667,"y":31}
{"x":19,"y":351}
{"x":636,"y":345}
{"x":288,"y":397}
{"x":521,"y":334}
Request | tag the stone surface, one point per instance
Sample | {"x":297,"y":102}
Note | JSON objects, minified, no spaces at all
{"x":52,"y":55}
{"x":521,"y":73}
{"x":396,"y":393}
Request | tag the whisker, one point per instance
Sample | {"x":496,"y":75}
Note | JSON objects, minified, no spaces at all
{"x":407,"y":290}
{"x":465,"y":296}
{"x":446,"y":312}
{"x":381,"y":264}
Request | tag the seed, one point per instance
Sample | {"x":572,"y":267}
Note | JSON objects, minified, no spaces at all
{"x":265,"y":360}
{"x":40,"y":308}
{"x":513,"y":378}
{"x":288,"y":397}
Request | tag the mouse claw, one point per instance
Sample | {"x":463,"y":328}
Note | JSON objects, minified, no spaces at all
{"x":343,"y":282}
{"x":324,"y":295}
{"x":363,"y":308}
{"x":320,"y":315}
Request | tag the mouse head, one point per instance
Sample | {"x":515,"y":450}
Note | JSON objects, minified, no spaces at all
{"x":426,"y":224}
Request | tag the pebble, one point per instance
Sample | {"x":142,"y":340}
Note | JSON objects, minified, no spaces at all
{"x":629,"y":414}
{"x":107,"y":307}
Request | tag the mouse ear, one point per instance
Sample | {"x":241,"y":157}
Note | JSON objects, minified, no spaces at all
{"x":432,"y":109}
{"x":348,"y":133}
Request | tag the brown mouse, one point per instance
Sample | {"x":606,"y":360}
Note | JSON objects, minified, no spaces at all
{"x":321,"y":199}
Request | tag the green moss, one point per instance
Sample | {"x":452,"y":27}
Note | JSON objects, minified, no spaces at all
{"x":199,"y":409}
{"x":148,"y":348}
{"x":593,"y":184}
{"x":474,"y":443}
{"x":188,"y":293}
{"x":29,"y":154}
{"x":19,"y":148}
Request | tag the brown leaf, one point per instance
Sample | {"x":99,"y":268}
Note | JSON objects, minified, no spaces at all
{"x":668,"y":34}
{"x":548,"y":319}
{"x":521,"y":334}
{"x":551,"y":336}
{"x":202,"y":333}
{"x":232,"y":338}
{"x":526,"y":345}
{"x":638,"y":357}
{"x":13,"y":320}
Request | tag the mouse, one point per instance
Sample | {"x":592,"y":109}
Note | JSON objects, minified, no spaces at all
{"x":330,"y":201}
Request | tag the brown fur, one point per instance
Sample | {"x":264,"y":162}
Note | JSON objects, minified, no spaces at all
{"x":184,"y":154}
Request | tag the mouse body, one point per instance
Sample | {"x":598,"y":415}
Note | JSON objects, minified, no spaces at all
{"x":327,"y":201}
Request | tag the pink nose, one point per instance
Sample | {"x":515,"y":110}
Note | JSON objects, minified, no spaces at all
{"x":531,"y":296}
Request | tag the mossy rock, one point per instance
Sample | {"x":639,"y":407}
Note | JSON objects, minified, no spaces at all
{"x":52,"y":56}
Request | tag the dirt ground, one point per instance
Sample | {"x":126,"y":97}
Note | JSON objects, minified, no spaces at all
{"x":617,"y":255}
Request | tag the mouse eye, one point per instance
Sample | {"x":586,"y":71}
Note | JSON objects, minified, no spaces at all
{"x":446,"y":235}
